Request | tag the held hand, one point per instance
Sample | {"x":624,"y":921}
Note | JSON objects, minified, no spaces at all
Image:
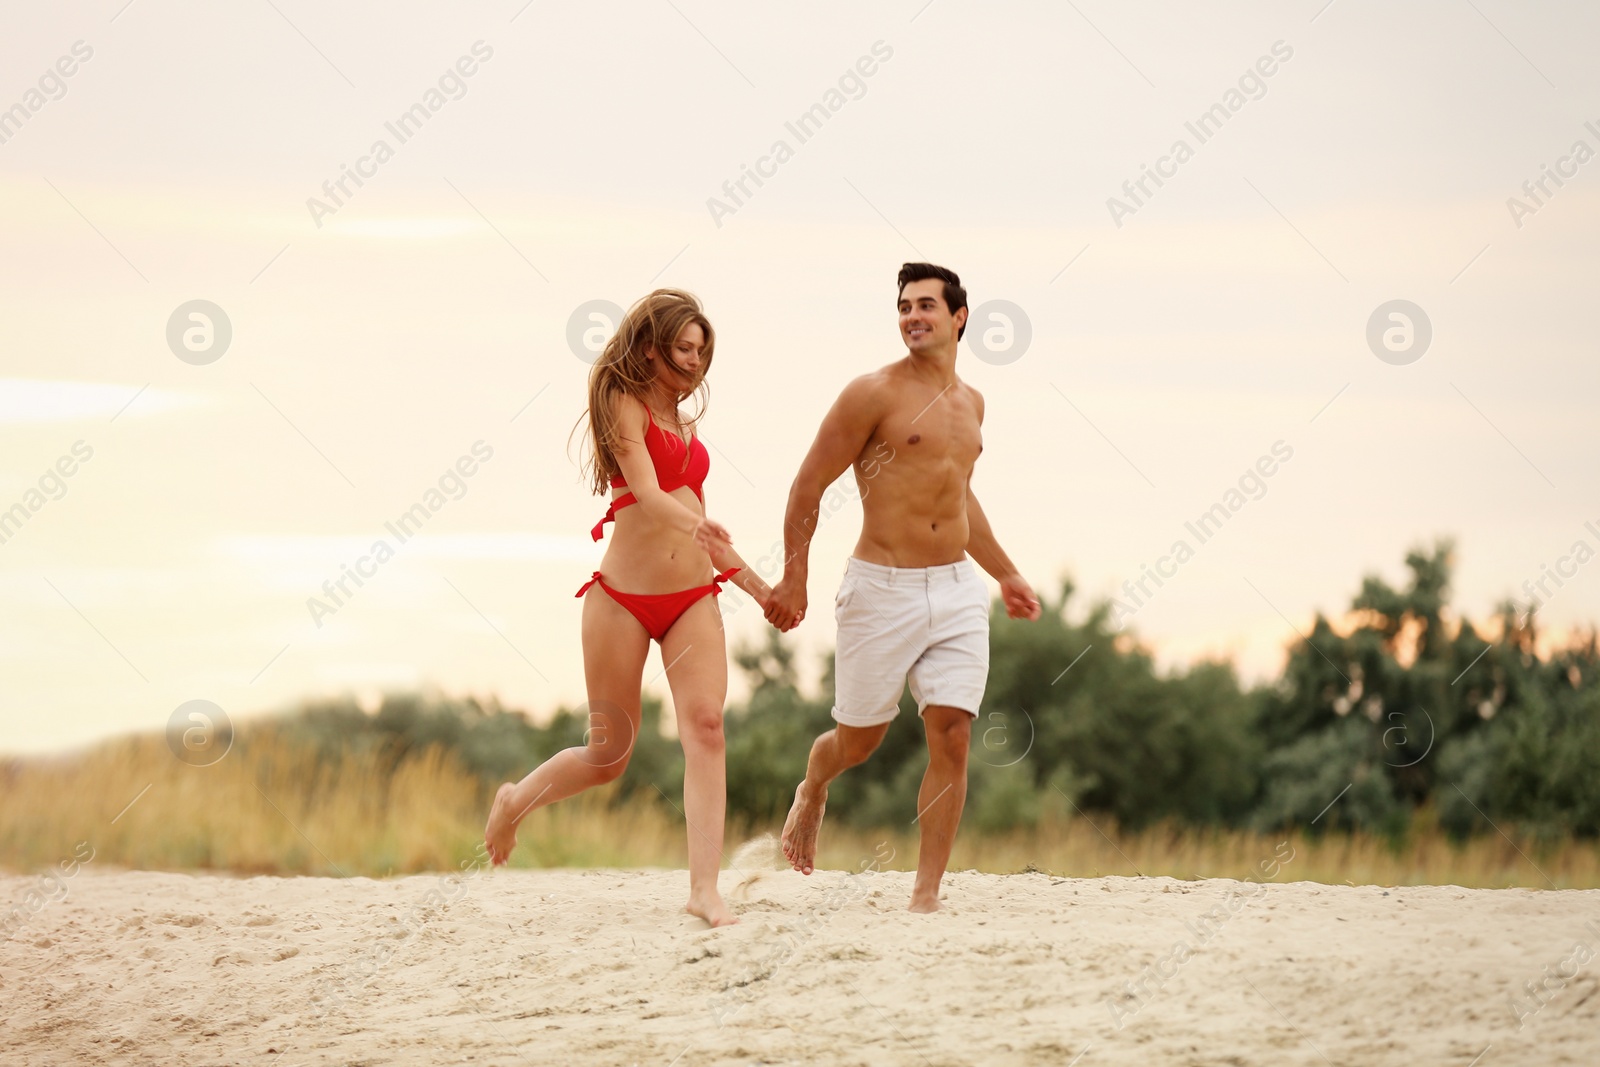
{"x":1018,"y":598}
{"x":712,"y":536}
{"x":787,"y":604}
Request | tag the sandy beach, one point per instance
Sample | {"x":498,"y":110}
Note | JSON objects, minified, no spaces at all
{"x":602,"y":967}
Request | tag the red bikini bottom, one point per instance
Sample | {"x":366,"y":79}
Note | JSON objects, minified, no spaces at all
{"x":657,"y":612}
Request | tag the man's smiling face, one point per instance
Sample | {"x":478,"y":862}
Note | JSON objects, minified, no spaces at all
{"x":925,"y":320}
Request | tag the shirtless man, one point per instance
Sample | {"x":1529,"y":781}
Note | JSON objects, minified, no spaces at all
{"x":911,"y":600}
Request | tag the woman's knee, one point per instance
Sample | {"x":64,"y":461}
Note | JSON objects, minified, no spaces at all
{"x":608,"y":739}
{"x":606,"y":763}
{"x":701,"y":729}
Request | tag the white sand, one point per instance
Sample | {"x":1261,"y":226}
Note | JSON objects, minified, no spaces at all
{"x":602,"y":967}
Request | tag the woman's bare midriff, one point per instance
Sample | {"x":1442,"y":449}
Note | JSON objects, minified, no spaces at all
{"x":644,"y":556}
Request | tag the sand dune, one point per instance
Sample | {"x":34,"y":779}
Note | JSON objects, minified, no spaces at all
{"x":601,"y":967}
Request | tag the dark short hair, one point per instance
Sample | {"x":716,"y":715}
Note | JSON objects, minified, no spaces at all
{"x":955,"y":297}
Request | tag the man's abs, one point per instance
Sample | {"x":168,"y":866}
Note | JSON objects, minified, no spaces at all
{"x":911,"y":524}
{"x":913,"y":476}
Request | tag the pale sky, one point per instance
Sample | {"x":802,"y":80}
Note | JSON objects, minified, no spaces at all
{"x":429,"y":311}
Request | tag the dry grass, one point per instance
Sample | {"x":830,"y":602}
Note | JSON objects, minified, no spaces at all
{"x":1077,"y":848}
{"x":270,"y":808}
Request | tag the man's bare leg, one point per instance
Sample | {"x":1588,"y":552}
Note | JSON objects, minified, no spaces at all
{"x":831,"y":755}
{"x":939,"y":802}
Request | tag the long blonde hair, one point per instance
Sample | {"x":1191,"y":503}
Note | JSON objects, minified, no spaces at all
{"x":654,"y":321}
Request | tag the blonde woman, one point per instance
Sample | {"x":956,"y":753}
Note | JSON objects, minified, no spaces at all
{"x":657,"y":581}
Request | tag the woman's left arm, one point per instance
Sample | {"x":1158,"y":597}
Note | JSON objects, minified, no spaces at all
{"x":723,"y":556}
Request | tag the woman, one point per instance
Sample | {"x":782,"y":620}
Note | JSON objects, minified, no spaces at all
{"x":655,"y":581}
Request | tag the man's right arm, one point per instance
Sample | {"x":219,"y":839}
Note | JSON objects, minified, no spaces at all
{"x":844,"y":433}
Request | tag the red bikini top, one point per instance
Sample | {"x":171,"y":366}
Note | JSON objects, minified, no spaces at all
{"x":667,"y":452}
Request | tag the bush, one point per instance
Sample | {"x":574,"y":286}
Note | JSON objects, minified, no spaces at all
{"x":1409,"y":709}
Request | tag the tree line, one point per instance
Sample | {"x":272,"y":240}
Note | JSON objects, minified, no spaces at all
{"x":1403,"y":707}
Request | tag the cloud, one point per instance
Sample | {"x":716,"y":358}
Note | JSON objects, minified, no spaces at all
{"x":415,"y":229}
{"x":299,"y":548}
{"x":26,"y":400}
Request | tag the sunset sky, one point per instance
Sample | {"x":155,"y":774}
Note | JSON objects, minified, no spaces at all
{"x":423,"y":315}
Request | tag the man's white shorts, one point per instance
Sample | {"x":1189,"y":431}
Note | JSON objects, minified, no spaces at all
{"x":929,"y":622}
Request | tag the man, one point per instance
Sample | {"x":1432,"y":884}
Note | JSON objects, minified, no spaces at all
{"x":911,"y":600}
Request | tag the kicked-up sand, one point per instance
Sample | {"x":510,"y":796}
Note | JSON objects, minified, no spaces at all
{"x":603,"y":967}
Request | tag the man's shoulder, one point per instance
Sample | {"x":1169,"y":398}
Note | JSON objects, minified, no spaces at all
{"x":973,"y":395}
{"x":880,"y":387}
{"x":892,"y":376}
{"x":873,"y":386}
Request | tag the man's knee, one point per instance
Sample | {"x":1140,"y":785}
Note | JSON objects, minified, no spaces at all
{"x":949,"y":732}
{"x":856,"y":743}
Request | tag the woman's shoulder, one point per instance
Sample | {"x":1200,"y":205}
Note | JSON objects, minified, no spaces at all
{"x":629,"y":410}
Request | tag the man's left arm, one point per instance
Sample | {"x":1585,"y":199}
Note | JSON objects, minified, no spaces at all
{"x":1015,"y":592}
{"x":981,"y":545}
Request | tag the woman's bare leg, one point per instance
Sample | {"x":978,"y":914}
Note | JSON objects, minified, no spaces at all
{"x":695,"y":651}
{"x":614,"y":650}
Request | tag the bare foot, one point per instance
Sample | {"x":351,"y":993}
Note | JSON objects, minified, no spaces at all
{"x":800,"y":829}
{"x":709,"y":906}
{"x":925,"y":904}
{"x":501,"y":833}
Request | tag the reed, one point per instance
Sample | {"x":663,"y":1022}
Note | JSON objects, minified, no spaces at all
{"x":270,"y":807}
